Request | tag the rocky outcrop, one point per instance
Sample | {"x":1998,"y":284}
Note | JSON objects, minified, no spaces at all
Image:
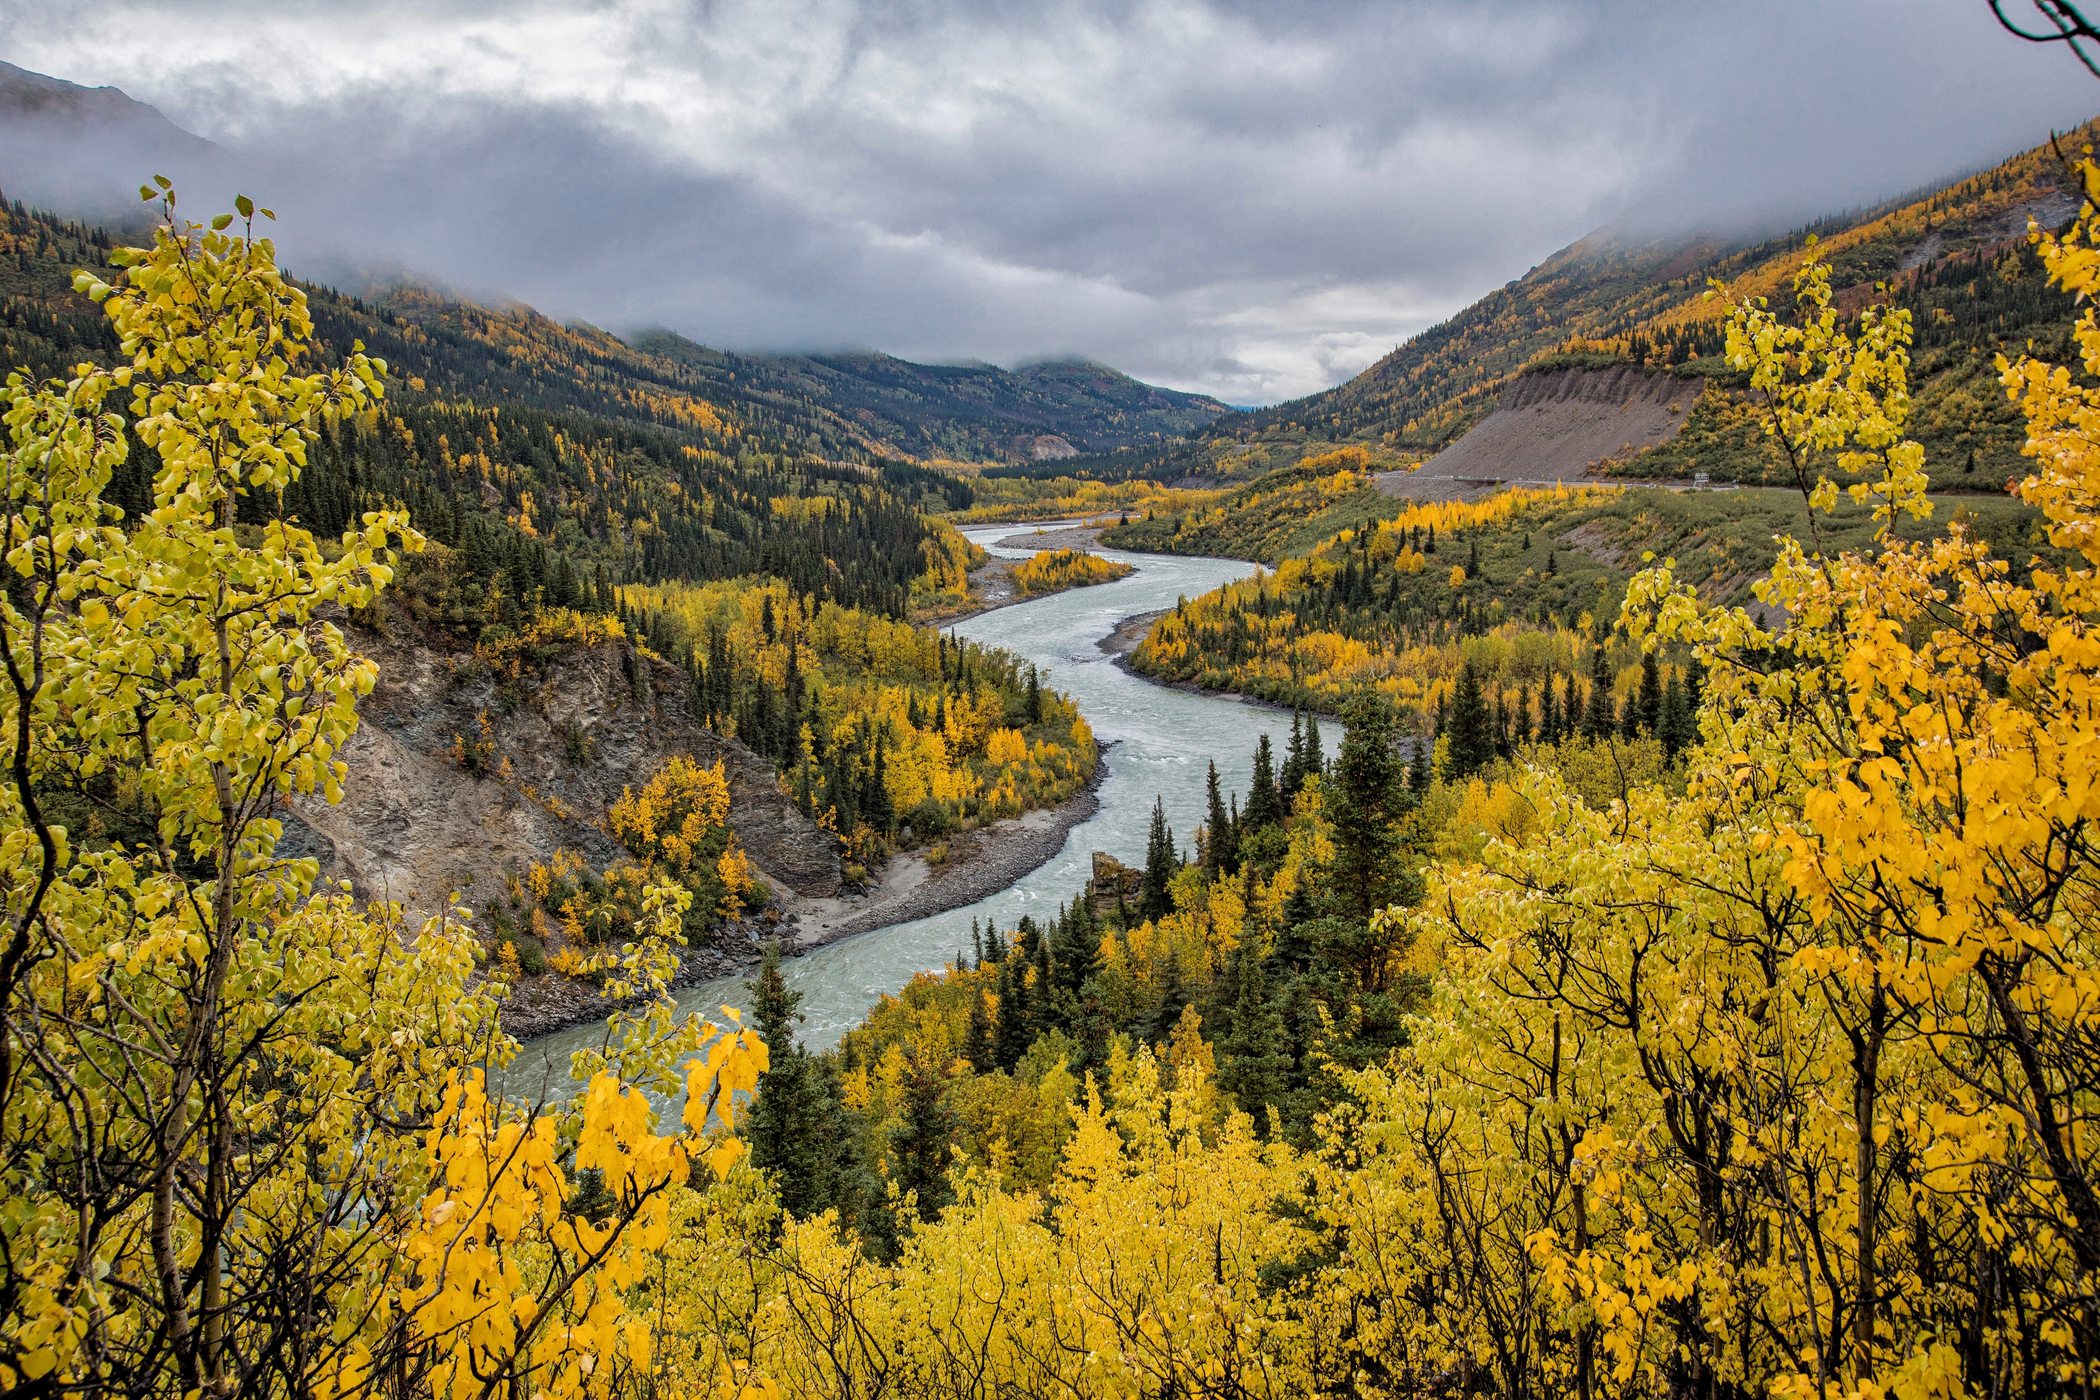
{"x":563,"y":737}
{"x":1049,"y":447}
{"x":1555,"y":426}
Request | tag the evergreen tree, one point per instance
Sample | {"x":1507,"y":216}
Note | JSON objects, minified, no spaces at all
{"x":1650,"y":694}
{"x":921,"y":1142}
{"x":977,"y":1036}
{"x":796,"y":1126}
{"x":1010,"y":1028}
{"x":1264,"y":803}
{"x":1366,"y":807}
{"x":1078,"y":948}
{"x":1042,"y":1002}
{"x":1294,"y":758}
{"x":1160,"y":864}
{"x":1252,"y":1064}
{"x":876,"y":806}
{"x":1173,"y":996}
{"x":1601,"y":718}
{"x":1315,"y":761}
{"x":1468,"y":742}
{"x":1217,"y":827}
{"x":1679,"y":726}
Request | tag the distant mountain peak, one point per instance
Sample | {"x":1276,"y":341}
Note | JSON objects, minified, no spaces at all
{"x":38,"y":97}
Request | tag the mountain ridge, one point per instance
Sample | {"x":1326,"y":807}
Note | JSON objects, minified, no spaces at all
{"x":1612,"y":285}
{"x":864,"y":403}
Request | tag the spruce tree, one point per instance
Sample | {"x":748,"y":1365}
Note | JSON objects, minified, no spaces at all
{"x":1217,"y":827}
{"x":922,"y":1138}
{"x":1042,"y":1001}
{"x":977,"y":1035}
{"x":1366,"y":805}
{"x":1078,"y":948}
{"x":1010,"y":1027}
{"x":1468,"y":740}
{"x":1650,"y":694}
{"x":796,"y":1126}
{"x":1264,"y":803}
{"x":1160,"y":864}
{"x":1601,"y":718}
{"x":1293,"y":776}
{"x":1252,"y":1064}
{"x":1679,"y":727}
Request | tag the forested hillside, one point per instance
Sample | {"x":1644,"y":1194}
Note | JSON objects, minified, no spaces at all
{"x":1045,"y":411}
{"x":628,"y":562}
{"x":556,"y":461}
{"x":1518,"y":590}
{"x":1694,"y":1035}
{"x":1955,"y":256}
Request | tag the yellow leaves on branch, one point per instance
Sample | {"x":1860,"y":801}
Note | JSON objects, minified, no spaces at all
{"x":245,"y":1139}
{"x":1771,"y":1077}
{"x":504,"y":1278}
{"x":1835,"y":394}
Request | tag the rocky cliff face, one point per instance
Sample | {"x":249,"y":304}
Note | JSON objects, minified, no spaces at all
{"x":563,"y":738}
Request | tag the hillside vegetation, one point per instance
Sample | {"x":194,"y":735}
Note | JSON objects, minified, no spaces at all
{"x":1680,"y":980}
{"x":1956,"y":257}
{"x":555,"y":643}
{"x":1520,"y":588}
{"x":1046,"y":411}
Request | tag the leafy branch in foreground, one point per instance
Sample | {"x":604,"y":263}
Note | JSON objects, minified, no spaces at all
{"x":244,"y":1147}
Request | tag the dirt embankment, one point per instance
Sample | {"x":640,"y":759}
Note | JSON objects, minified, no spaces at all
{"x":1130,"y":633}
{"x":563,"y":739}
{"x":1554,"y":427}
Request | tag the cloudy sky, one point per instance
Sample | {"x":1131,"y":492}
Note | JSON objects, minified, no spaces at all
{"x":1250,"y":199}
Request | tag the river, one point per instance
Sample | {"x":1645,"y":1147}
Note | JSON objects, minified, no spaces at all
{"x":1157,"y":741}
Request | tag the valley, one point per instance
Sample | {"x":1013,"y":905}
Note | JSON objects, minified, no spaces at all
{"x":545,"y":860}
{"x":1155,"y":743}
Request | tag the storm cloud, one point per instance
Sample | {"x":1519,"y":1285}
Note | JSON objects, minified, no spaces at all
{"x":1252,"y":200}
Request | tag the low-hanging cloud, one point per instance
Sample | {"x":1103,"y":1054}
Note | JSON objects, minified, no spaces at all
{"x":1248,"y":199}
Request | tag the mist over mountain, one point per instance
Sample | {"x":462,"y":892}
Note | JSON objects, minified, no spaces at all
{"x":1250,"y":202}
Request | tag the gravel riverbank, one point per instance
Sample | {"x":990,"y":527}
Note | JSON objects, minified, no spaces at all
{"x":551,"y":1002}
{"x":979,"y":863}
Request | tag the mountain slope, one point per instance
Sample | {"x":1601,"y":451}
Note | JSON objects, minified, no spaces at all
{"x":59,"y":141}
{"x":36,"y":106}
{"x":1955,"y":256}
{"x":974,"y":412}
{"x":83,"y":150}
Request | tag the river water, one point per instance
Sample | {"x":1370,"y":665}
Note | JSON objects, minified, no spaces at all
{"x":1158,"y":741}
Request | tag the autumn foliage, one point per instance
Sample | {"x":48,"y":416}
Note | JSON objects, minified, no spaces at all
{"x":1054,"y":570}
